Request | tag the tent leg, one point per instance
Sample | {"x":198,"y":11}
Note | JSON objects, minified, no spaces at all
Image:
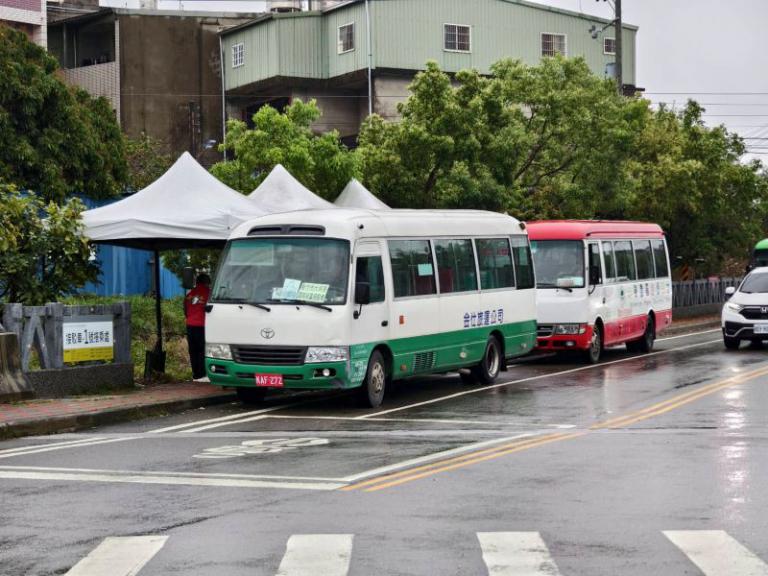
{"x":155,"y":360}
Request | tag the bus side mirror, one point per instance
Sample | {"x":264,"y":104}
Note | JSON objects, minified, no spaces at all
{"x":730,"y":291}
{"x":362,"y":293}
{"x":188,"y":278}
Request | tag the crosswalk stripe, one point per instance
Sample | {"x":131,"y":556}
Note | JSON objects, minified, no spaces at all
{"x":716,"y":553}
{"x":516,"y":554}
{"x":317,"y":555}
{"x":119,"y":556}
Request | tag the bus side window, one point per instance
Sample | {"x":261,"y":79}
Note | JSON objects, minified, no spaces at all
{"x":521,"y":253}
{"x":644,"y":259}
{"x":412,"y":270}
{"x":660,"y":258}
{"x":625,"y":261}
{"x":495,"y":259}
{"x":370,"y":270}
{"x":610,"y":264}
{"x":455,"y":266}
{"x":595,"y":266}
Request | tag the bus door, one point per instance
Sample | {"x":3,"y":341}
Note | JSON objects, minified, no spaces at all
{"x":372,"y":319}
{"x":595,"y":282}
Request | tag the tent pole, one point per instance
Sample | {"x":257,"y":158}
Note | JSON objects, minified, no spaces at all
{"x":158,"y":298}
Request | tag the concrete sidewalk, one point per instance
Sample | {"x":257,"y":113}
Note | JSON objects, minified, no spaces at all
{"x":50,"y":416}
{"x":33,"y":417}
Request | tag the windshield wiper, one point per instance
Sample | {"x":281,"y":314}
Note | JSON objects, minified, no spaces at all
{"x":306,"y":303}
{"x":546,"y":286}
{"x":241,"y":301}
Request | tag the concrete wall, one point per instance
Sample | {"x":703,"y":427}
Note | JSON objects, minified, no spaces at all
{"x":97,"y":80}
{"x":27,"y":16}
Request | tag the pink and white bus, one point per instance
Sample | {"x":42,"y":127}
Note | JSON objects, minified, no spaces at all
{"x":600,"y":284}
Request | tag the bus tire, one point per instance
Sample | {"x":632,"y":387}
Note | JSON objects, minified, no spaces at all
{"x":595,"y":351}
{"x":731,"y":343}
{"x":489,"y":367}
{"x":251,"y":395}
{"x":371,"y":393}
{"x":645,"y":344}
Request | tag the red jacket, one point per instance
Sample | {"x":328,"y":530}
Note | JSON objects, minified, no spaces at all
{"x":194,"y":305}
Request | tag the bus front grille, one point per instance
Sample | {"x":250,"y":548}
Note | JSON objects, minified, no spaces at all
{"x":269,"y":355}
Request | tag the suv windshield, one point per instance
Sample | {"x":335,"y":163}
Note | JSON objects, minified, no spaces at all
{"x":283,"y":270}
{"x":754,"y":283}
{"x":559,"y":263}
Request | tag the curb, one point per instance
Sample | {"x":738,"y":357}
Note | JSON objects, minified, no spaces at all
{"x":77,"y":422}
{"x":691,"y":328}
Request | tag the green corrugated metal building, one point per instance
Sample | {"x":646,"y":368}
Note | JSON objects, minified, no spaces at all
{"x":324,"y":54}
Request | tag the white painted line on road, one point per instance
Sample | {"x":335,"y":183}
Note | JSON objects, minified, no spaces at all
{"x":48,"y":444}
{"x":716,"y":553}
{"x":354,"y":418}
{"x":65,"y":446}
{"x":516,"y":554}
{"x":317,"y":555}
{"x":229,"y":423}
{"x":159,"y":478}
{"x":530,"y":379}
{"x":223,"y":418}
{"x":119,"y":556}
{"x":688,"y":335}
{"x":430,"y":457}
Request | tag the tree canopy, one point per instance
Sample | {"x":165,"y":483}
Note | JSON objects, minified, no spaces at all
{"x":57,"y":140}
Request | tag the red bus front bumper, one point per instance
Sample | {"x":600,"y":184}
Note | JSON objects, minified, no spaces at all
{"x":548,"y":340}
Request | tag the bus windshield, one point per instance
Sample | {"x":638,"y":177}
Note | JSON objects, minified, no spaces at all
{"x":559,"y":263}
{"x":283,"y":270}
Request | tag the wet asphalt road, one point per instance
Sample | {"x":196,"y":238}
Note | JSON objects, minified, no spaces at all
{"x":593,"y":463}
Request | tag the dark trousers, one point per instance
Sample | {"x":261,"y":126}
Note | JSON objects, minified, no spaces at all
{"x":196,"y":341}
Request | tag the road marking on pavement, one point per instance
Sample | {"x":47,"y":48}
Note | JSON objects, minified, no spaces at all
{"x":198,"y":423}
{"x":355,"y":418}
{"x":171,"y":479}
{"x":530,"y":379}
{"x":679,"y":400}
{"x":119,"y":556}
{"x":65,"y":446}
{"x":516,"y":554}
{"x":317,"y":555}
{"x":689,"y":335}
{"x":48,"y":444}
{"x":716,"y":553}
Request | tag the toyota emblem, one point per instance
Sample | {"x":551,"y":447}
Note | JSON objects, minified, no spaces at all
{"x":267,"y":333}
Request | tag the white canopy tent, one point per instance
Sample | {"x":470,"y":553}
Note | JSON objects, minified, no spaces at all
{"x":281,"y":192}
{"x":186,"y":207}
{"x":355,"y":195}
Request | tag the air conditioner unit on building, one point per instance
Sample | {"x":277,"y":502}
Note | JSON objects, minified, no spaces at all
{"x":285,"y":6}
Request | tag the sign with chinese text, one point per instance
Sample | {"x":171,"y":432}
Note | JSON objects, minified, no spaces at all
{"x":88,"y":338}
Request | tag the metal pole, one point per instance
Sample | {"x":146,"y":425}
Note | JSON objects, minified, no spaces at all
{"x":158,"y":311}
{"x":619,"y":73}
{"x":370,"y":57}
{"x":223,"y":100}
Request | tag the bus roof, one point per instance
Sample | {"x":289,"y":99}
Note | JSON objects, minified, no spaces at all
{"x":583,"y":229}
{"x":359,"y":223}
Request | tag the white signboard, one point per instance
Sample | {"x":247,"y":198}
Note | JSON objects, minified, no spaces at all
{"x":88,"y":338}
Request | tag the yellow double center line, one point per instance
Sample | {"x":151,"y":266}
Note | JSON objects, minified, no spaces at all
{"x":411,"y":474}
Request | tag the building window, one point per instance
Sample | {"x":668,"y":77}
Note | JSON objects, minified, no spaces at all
{"x":552,"y":44}
{"x":458,"y":38}
{"x":346,"y":38}
{"x":609,"y":45}
{"x":238,"y":55}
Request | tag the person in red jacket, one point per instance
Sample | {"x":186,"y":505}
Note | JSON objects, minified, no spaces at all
{"x":194,"y":311}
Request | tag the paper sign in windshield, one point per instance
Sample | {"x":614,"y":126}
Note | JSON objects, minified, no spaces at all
{"x":290,"y":290}
{"x":425,"y":269}
{"x":313,"y":292}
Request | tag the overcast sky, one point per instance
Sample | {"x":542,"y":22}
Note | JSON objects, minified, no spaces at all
{"x":712,"y":50}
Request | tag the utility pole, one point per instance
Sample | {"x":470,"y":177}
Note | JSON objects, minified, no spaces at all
{"x":619,"y":74}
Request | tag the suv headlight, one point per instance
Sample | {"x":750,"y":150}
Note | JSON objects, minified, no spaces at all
{"x":733,"y":307}
{"x":317,"y":354}
{"x":572,"y":329}
{"x":218,"y":351}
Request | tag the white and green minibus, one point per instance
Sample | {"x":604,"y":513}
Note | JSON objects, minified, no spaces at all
{"x":342,"y":299}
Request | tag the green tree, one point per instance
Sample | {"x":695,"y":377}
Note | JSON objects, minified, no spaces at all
{"x":43,"y":253}
{"x":147,"y":160}
{"x":57,"y":140}
{"x":319,"y":161}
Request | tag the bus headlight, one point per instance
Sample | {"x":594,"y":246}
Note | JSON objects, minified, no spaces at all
{"x":317,"y":354}
{"x":570,"y":329}
{"x":218,"y":351}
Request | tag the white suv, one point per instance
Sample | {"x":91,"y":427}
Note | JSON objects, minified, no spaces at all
{"x":745,"y":314}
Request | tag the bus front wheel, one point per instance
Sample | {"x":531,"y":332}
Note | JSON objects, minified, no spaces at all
{"x":489,"y":367}
{"x":375,"y":383}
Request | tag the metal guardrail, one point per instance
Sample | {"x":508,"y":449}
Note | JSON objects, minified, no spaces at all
{"x":701,"y":293}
